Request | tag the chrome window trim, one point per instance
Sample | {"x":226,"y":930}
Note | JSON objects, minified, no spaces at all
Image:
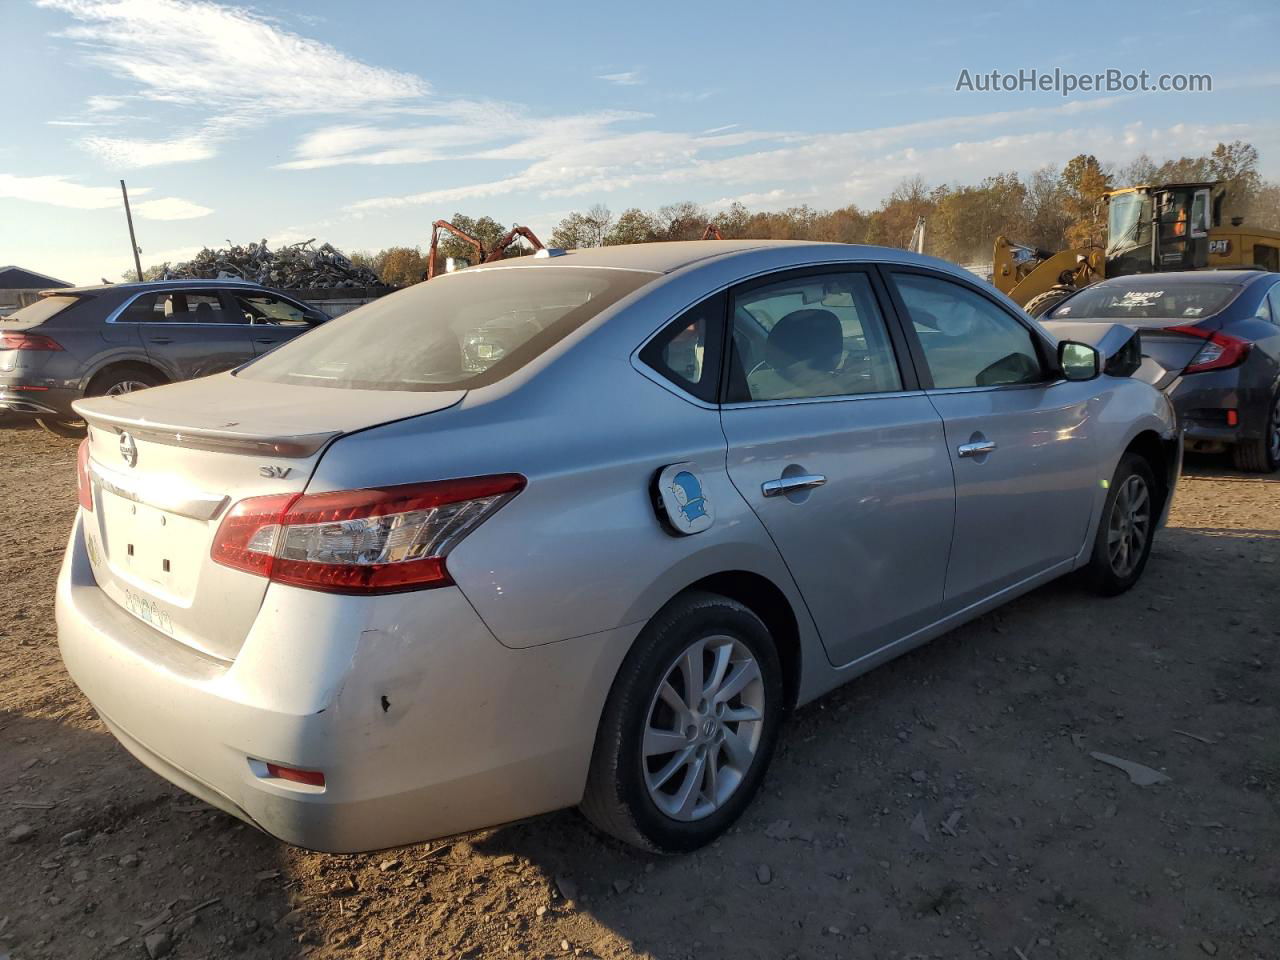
{"x":114,"y":316}
{"x":835,"y":398}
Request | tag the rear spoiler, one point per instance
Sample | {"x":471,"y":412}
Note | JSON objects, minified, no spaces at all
{"x":216,"y":439}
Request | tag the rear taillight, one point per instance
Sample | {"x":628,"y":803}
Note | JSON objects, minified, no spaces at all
{"x":83,"y":485}
{"x":18,"y":340}
{"x":381,"y":540}
{"x":1221,"y":351}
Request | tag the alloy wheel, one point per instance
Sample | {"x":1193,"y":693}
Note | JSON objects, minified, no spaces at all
{"x":125,"y":386}
{"x":1129,"y":525}
{"x":703,"y":728}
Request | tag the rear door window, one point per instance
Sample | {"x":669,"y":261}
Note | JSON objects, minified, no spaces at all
{"x":176,"y":306}
{"x":810,"y":336}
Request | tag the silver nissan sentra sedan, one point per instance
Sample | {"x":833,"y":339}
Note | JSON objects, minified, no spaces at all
{"x":581,"y":528}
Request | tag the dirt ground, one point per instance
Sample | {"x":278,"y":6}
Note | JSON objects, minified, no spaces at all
{"x":946,"y":805}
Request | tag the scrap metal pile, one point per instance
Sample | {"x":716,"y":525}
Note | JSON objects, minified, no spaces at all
{"x":298,"y":266}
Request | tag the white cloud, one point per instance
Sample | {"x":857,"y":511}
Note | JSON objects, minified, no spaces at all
{"x":61,"y":191}
{"x":780,"y":168}
{"x":124,"y":153}
{"x":630,"y":78}
{"x":236,"y":67}
{"x":196,"y":52}
{"x":170,"y":208}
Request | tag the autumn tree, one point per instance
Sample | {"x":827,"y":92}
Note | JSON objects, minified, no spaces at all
{"x":1084,"y":182}
{"x":633,"y":226}
{"x":581,"y":230}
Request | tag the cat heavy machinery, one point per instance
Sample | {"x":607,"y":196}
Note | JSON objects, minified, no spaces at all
{"x":1150,"y":229}
{"x":482,"y":255}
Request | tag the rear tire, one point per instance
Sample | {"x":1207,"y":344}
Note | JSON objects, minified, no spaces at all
{"x":671,"y":769}
{"x":1261,"y":456}
{"x":71,"y":429}
{"x":112,"y":382}
{"x":1126,"y":529}
{"x":1042,"y":303}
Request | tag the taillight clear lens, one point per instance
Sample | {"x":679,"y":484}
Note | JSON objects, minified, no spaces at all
{"x":84,"y":487}
{"x":360,"y":541}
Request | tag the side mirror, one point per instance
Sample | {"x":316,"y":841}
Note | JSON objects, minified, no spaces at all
{"x":1078,"y":361}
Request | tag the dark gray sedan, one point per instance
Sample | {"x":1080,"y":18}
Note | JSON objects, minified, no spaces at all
{"x":116,"y":338}
{"x":1211,"y":341}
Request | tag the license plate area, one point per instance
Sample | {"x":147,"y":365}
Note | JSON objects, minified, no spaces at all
{"x":153,"y":553}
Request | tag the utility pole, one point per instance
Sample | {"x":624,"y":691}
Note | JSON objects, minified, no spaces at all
{"x":133,"y":242}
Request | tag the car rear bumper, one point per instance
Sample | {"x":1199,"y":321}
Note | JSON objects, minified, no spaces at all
{"x":51,"y":402}
{"x":423,"y":724}
{"x":1203,"y":400}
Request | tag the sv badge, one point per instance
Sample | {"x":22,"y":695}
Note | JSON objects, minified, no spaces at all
{"x":275,"y":473}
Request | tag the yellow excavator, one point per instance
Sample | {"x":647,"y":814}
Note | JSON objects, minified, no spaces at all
{"x":1150,"y":229}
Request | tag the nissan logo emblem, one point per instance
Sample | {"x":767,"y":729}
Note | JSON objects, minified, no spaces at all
{"x":128,"y":449}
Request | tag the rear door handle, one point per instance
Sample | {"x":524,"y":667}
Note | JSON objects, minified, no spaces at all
{"x":266,"y":340}
{"x":806,"y":481}
{"x":976,"y":449}
{"x":161,"y":339}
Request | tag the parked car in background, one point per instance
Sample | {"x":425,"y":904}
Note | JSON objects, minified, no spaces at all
{"x":379,"y":586}
{"x":102,"y":341}
{"x":1211,"y":341}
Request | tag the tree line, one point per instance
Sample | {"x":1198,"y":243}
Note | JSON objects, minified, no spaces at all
{"x":1053,"y":208}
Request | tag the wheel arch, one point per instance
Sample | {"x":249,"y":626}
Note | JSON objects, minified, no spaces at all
{"x":1164,"y":457}
{"x":127,"y":362}
{"x":767,"y":601}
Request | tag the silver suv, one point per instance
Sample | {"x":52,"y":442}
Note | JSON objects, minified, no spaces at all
{"x":101,"y":341}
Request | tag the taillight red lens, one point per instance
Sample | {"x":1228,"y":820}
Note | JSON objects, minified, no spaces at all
{"x":83,"y":485}
{"x":1221,"y":351}
{"x":314,"y":778}
{"x":379,"y":540}
{"x":18,"y":340}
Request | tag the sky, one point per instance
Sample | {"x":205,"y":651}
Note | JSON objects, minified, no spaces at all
{"x":361,"y":123}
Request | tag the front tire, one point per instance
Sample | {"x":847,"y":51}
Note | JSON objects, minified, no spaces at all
{"x":1261,"y":456}
{"x":1126,"y":530}
{"x":689,"y":727}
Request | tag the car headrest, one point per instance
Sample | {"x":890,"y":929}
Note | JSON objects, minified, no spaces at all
{"x":204,"y":311}
{"x":810,"y":337}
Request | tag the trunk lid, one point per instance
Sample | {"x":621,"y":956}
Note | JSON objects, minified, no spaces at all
{"x":167,"y":464}
{"x":1164,"y":354}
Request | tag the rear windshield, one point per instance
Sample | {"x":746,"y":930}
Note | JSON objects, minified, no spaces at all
{"x":462,"y":330}
{"x":1154,"y":300}
{"x":42,"y":310}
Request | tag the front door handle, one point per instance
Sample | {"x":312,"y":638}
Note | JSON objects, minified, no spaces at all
{"x":978,"y":448}
{"x":806,"y":481}
{"x":162,"y":340}
{"x":267,"y":340}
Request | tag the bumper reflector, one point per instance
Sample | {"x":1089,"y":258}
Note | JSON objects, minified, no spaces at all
{"x":312,"y":778}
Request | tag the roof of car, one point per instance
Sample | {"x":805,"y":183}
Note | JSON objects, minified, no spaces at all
{"x":663,"y":257}
{"x":135,"y":286}
{"x":1224,"y":277}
